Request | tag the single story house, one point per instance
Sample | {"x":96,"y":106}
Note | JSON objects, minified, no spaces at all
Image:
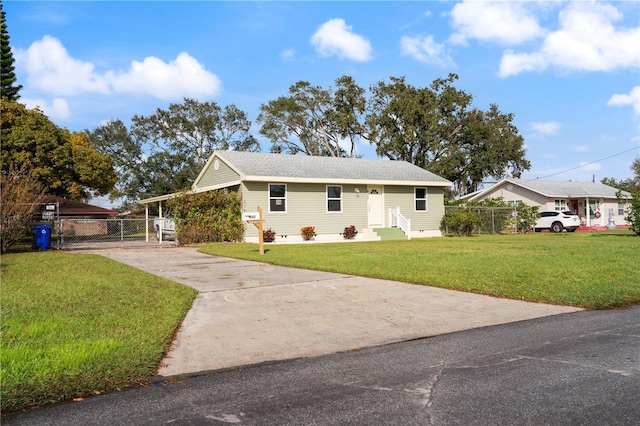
{"x":328,"y":193}
{"x":597,"y":204}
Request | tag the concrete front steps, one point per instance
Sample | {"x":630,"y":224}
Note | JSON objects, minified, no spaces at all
{"x":390,"y":233}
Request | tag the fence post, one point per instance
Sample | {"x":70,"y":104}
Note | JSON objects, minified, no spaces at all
{"x":493,"y":221}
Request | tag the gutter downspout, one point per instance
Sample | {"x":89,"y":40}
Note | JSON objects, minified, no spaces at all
{"x":587,"y":210}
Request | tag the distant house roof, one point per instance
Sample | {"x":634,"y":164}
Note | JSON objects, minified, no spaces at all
{"x":255,"y":166}
{"x":77,"y":208}
{"x":554,"y":188}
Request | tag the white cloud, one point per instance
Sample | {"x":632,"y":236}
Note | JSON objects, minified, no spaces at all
{"x":334,"y":37}
{"x":586,"y":41}
{"x":546,"y":128}
{"x":504,"y":22}
{"x":632,"y":98}
{"x":183,"y":77}
{"x":426,"y":50}
{"x":57,"y":110}
{"x":50,"y":68}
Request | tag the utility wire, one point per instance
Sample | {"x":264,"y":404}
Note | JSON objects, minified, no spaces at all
{"x":584,"y":165}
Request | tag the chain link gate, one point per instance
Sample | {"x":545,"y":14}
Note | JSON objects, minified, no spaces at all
{"x":79,"y":233}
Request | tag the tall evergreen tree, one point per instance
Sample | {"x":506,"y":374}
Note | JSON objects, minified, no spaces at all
{"x":8,"y":87}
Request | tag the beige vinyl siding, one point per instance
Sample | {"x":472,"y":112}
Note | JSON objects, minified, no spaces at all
{"x":212,"y":177}
{"x":403,"y":197}
{"x":306,"y":206}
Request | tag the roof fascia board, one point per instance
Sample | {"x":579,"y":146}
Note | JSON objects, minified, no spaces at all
{"x":521,"y":185}
{"x":160,"y":198}
{"x":218,"y":186}
{"x":343,"y":181}
{"x":478,"y":194}
{"x":203,"y":170}
{"x":231,"y":165}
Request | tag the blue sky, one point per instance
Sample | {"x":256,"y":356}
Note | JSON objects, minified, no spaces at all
{"x":568,"y":71}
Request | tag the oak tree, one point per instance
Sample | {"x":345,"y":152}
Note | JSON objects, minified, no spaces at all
{"x":164,"y":152}
{"x":316,"y":121}
{"x":65,"y":163}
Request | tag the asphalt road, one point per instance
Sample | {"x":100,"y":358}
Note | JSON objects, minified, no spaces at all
{"x":580,"y":368}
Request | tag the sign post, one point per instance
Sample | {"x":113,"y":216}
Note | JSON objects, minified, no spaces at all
{"x":256,"y":219}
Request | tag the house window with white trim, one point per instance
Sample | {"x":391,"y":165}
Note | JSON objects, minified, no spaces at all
{"x":420,"y":199}
{"x":334,"y":199}
{"x":561,"y":205}
{"x":277,"y":197}
{"x":620,"y":209}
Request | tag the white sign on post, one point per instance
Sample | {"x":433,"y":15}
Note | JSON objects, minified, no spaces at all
{"x":246,"y":217}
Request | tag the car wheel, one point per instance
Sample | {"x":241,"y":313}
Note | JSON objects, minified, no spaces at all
{"x":556,"y":227}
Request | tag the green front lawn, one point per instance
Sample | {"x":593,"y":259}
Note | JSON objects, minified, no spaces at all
{"x":580,"y":269}
{"x":77,"y":324}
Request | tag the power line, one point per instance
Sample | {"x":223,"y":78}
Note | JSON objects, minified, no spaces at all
{"x":587,"y":164}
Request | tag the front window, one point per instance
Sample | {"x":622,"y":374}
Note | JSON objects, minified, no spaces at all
{"x":561,"y":205}
{"x":334,"y":198}
{"x":620,"y":209}
{"x":277,"y":197}
{"x":420,"y":199}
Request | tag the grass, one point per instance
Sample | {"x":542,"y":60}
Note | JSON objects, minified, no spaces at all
{"x":596,"y":271}
{"x":75,"y":325}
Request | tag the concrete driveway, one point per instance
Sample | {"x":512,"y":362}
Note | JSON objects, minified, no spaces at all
{"x":250,"y":312}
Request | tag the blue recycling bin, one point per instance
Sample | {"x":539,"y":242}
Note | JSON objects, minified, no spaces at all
{"x":42,"y":237}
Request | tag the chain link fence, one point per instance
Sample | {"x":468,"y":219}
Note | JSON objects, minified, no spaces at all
{"x":494,"y":220}
{"x":77,"y":233}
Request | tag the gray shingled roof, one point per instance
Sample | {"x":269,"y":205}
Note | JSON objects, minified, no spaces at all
{"x":254,"y":164}
{"x":552,"y":188}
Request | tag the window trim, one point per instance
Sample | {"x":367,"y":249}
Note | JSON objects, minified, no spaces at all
{"x":333,"y":199}
{"x":562,"y":207}
{"x":416,"y":199}
{"x":621,"y":208}
{"x":269,"y":197}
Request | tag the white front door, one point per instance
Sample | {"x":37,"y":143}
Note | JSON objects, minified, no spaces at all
{"x":375,"y":205}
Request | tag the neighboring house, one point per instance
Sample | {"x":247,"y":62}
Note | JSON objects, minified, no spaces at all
{"x":595,"y":203}
{"x":327,"y":193}
{"x":87,"y":219}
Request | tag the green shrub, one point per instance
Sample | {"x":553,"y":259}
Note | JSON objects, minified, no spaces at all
{"x":460,"y":222}
{"x":633,"y":213}
{"x":207,"y":217}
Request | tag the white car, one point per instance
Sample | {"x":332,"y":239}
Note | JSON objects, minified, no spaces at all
{"x":557,"y":221}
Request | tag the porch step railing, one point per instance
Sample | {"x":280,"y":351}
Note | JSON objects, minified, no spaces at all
{"x":396,"y":220}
